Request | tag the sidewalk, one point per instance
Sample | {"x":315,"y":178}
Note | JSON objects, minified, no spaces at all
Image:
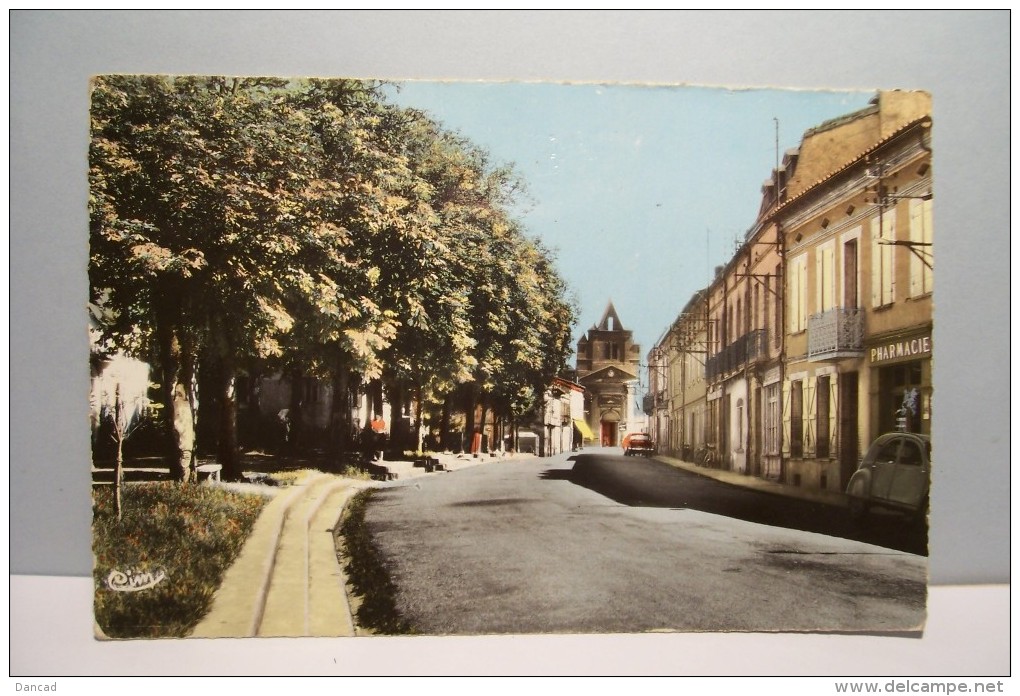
{"x":287,"y":581}
{"x":836,"y":498}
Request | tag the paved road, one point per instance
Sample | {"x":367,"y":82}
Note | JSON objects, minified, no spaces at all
{"x":520,"y":547}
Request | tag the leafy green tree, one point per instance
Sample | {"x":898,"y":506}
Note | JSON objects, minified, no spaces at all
{"x":256,"y":224}
{"x":210,"y":225}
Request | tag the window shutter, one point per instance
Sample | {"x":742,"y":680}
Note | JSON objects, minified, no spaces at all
{"x":810,"y":412}
{"x":819,"y":279}
{"x":833,"y":416}
{"x":888,"y":258}
{"x":926,"y":237}
{"x":876,"y":265}
{"x":916,"y":266}
{"x":828,"y":278}
{"x":787,"y":418}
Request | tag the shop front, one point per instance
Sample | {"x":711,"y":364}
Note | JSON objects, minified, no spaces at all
{"x":901,"y":372}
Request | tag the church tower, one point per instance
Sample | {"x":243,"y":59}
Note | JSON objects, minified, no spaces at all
{"x":608,"y":361}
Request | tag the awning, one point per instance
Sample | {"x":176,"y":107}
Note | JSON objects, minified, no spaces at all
{"x":583,"y":428}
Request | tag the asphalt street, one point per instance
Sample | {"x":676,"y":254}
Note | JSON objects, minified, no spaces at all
{"x":621,"y":545}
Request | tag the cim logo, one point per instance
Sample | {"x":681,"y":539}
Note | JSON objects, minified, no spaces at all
{"x":134,"y":580}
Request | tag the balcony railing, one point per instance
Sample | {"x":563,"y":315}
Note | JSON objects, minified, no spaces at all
{"x":836,"y":333}
{"x":748,"y":348}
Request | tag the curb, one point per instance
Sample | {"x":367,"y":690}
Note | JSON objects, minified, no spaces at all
{"x":834,"y":498}
{"x":258,"y":611}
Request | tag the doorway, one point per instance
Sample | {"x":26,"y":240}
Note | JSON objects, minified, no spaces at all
{"x":849,"y":449}
{"x":608,"y":433}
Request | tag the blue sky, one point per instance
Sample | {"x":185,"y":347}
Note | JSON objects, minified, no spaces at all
{"x":641,"y":190}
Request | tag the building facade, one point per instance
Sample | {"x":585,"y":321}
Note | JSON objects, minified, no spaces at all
{"x":608,"y":362}
{"x":678,"y":371}
{"x":859,"y":288}
{"x":816,"y":336}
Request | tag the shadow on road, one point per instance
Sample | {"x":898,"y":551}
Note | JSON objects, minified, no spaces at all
{"x":557,"y":475}
{"x":638,"y":482}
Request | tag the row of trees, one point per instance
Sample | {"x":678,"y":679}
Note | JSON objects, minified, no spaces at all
{"x":245,"y":226}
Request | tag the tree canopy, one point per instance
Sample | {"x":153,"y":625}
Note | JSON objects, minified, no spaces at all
{"x":257,"y":223}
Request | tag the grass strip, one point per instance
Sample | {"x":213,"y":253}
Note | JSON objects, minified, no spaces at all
{"x":187,"y":534}
{"x":369,"y":579}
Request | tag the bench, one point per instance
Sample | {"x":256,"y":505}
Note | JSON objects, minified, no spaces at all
{"x":430,"y":464}
{"x":211,"y":471}
{"x":380,"y":472}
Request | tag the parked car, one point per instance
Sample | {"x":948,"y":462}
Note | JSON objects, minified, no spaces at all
{"x":638,"y":443}
{"x":895,"y":473}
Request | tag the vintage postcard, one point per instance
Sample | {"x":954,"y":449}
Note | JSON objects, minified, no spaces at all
{"x":470,"y":358}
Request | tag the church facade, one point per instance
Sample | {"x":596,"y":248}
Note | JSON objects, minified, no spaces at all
{"x":608,"y":364}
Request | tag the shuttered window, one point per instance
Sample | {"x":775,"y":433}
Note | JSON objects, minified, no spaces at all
{"x":825,"y":274}
{"x":822,"y":414}
{"x":920,"y":256}
{"x":772,"y":418}
{"x":797,"y":419}
{"x":797,"y":286}
{"x":882,"y":258}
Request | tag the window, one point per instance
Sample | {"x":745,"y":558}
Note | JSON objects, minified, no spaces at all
{"x":777,"y":336}
{"x":822,"y":417}
{"x":910,"y":455}
{"x":797,"y":419}
{"x":850,"y":274}
{"x":755,"y":316}
{"x":920,"y":254}
{"x":772,"y":419}
{"x":740,"y":425}
{"x":883,"y":229}
{"x":797,"y":286}
{"x":825,"y":296}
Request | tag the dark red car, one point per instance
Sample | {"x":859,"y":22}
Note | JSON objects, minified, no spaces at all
{"x":638,"y":443}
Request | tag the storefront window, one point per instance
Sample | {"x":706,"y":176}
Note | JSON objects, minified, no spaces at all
{"x":900,"y":387}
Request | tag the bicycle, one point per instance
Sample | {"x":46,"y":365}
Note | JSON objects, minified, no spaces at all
{"x":705,"y":456}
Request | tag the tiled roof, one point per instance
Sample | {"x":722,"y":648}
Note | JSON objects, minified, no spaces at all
{"x":853,"y":161}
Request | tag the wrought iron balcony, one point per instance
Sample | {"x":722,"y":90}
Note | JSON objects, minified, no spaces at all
{"x":750,"y":347}
{"x":836,"y":333}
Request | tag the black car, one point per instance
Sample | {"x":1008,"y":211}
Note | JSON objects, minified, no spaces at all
{"x":895,"y":473}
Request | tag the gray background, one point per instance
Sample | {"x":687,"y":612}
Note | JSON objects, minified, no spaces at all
{"x":962,"y":58}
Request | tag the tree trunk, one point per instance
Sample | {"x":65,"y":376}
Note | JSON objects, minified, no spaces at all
{"x":469,"y":417}
{"x":295,"y":412}
{"x":444,"y":425}
{"x":398,"y":434}
{"x":118,"y":467}
{"x":228,"y":453}
{"x":418,"y":435}
{"x":340,"y":411}
{"x":486,"y":446}
{"x":178,"y":372}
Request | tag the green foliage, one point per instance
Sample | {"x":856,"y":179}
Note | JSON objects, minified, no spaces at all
{"x":266,"y":224}
{"x":190,"y":533}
